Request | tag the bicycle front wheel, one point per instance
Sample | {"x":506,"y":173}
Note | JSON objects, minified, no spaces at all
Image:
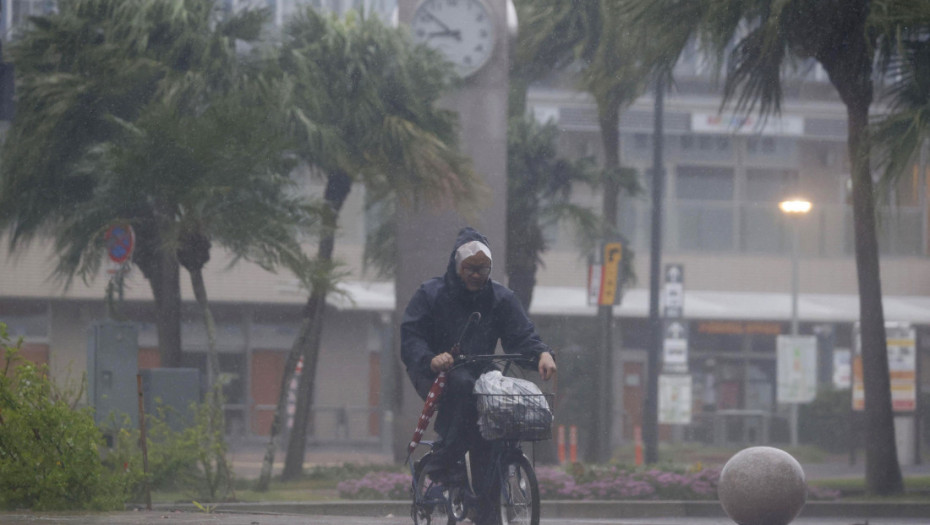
{"x":519,"y":492}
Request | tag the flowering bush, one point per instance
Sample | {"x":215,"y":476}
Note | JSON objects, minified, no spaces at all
{"x":621,"y":483}
{"x":584,"y":483}
{"x":377,"y":485}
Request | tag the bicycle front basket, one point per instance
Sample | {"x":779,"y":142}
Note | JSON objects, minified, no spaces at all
{"x":517,"y":417}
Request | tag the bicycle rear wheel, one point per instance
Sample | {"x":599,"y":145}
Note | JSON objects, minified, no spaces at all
{"x":519,"y":492}
{"x":430,"y":499}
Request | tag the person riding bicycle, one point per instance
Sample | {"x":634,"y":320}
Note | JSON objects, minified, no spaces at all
{"x":432,"y":323}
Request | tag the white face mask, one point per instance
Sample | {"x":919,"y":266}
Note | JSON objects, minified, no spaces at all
{"x":467,"y":250}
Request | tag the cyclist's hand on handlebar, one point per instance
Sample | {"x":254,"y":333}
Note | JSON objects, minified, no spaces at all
{"x":441,"y":362}
{"x":547,"y":368}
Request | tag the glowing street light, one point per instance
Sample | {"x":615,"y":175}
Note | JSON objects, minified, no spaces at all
{"x":795,"y":206}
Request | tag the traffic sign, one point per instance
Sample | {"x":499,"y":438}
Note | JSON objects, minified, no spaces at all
{"x":121,"y":242}
{"x":674,"y":290}
{"x":675,"y":347}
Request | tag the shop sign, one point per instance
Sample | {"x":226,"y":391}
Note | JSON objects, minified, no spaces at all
{"x":797,"y":368}
{"x":675,"y":399}
{"x":901,"y":340}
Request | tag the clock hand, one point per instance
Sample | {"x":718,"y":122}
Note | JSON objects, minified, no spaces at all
{"x":448,"y":32}
{"x":438,"y":21}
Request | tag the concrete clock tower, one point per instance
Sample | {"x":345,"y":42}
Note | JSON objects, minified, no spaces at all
{"x":474,"y":36}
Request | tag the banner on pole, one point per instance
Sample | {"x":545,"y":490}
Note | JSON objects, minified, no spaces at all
{"x":604,"y":275}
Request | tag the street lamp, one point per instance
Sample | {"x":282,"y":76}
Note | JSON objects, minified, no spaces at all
{"x":795,"y":208}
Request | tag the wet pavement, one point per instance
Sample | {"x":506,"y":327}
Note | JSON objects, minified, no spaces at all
{"x":247,"y":459}
{"x":188,"y":518}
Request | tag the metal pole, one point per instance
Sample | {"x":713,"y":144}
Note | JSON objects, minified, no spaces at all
{"x":651,"y":401}
{"x":796,"y":233}
{"x":143,"y":441}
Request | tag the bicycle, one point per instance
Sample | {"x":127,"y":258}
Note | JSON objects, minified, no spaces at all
{"x":512,"y":474}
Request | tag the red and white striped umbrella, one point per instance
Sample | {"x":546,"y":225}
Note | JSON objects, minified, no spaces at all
{"x":435,"y":391}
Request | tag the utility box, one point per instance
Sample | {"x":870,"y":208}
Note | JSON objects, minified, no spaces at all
{"x":112,"y":365}
{"x":172,"y":390}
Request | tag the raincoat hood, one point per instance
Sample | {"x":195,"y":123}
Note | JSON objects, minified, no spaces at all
{"x":466,"y":235}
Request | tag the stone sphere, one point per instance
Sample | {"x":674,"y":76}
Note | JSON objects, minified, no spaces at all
{"x":762,"y":486}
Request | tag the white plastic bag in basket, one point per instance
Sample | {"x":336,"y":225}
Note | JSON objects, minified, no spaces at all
{"x":511,"y":408}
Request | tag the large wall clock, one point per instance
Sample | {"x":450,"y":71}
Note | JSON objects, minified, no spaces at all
{"x":462,"y":30}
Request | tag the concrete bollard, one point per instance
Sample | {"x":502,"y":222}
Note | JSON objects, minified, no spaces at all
{"x":762,"y":486}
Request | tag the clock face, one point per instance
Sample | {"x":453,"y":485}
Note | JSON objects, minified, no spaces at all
{"x":462,"y":30}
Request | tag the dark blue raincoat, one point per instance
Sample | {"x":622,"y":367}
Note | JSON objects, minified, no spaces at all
{"x":438,"y":311}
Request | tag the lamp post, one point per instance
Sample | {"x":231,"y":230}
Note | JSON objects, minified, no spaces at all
{"x":795,"y":209}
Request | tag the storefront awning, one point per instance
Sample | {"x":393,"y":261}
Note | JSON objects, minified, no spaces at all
{"x":572,"y":301}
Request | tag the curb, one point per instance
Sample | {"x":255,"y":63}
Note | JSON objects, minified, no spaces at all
{"x":579,"y":509}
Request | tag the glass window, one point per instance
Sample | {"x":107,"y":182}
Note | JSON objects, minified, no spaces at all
{"x":704,"y":183}
{"x":770,"y":185}
{"x":707,"y":225}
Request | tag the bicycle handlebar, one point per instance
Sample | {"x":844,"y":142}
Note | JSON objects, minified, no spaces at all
{"x":461,"y":360}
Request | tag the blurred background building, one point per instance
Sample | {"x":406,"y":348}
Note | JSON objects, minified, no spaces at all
{"x":725,"y":175}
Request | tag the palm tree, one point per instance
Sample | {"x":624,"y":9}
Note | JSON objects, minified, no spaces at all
{"x":159,"y":122}
{"x":235,"y":195}
{"x":92,"y":81}
{"x":539,"y":188}
{"x":588,"y":34}
{"x":364,"y":110}
{"x":756,"y":41}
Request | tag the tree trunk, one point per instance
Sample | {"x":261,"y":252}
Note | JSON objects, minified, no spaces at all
{"x":290,"y":366}
{"x":193,"y":254}
{"x":338,"y":185}
{"x":522,"y":280}
{"x":883,"y":473}
{"x":160,"y":267}
{"x":848,"y":62}
{"x":216,"y":420}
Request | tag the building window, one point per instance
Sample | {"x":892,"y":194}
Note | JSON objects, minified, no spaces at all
{"x":705,"y":208}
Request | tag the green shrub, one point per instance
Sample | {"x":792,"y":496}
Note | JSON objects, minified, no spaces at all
{"x":49,"y":450}
{"x":191,"y":461}
{"x":825,"y":421}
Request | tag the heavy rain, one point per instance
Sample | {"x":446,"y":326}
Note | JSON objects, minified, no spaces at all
{"x":244,"y":243}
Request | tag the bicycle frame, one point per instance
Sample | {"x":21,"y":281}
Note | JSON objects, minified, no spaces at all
{"x":455,"y":497}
